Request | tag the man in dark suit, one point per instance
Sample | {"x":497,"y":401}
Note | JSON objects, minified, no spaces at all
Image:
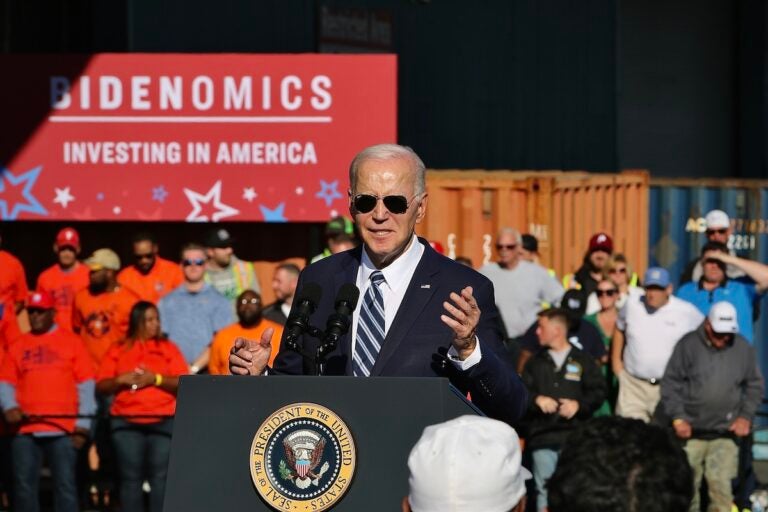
{"x":417,"y":300}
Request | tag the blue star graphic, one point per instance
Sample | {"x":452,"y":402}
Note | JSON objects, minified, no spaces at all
{"x":28,"y":179}
{"x":273,"y":215}
{"x":329,"y":192}
{"x":159,"y":194}
{"x":100,"y":196}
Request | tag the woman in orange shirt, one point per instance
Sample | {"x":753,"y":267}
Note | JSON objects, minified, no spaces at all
{"x":143,"y":374}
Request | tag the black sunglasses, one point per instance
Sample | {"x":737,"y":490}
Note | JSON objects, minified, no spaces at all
{"x":609,"y":293}
{"x":199,"y":262}
{"x":510,"y":247}
{"x":720,"y":231}
{"x":365,"y":203}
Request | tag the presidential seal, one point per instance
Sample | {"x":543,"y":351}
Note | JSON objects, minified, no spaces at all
{"x":302,"y":458}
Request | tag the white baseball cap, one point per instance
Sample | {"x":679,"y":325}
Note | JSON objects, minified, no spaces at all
{"x":467,"y":464}
{"x":717,"y":219}
{"x":722,"y":317}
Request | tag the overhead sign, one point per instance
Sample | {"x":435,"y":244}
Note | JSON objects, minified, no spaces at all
{"x":195,"y":137}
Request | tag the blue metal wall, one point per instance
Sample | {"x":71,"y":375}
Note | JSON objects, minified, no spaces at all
{"x":676,"y":231}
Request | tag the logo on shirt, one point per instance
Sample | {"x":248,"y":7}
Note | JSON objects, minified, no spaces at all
{"x":97,"y":324}
{"x":302,"y":458}
{"x":573,"y":371}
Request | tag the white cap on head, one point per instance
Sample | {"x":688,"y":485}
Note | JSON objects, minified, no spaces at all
{"x":722,"y":317}
{"x":467,"y":464}
{"x":717,"y":219}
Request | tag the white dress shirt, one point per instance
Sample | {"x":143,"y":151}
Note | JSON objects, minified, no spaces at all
{"x":397,"y":277}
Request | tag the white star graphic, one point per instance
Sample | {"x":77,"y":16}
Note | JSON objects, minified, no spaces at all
{"x":212,"y":196}
{"x":299,"y":191}
{"x":249,"y":194}
{"x":63,"y":196}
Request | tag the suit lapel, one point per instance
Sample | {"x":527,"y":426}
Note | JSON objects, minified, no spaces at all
{"x":419,"y":292}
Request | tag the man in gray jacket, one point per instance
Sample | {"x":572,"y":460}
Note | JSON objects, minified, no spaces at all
{"x":711,"y":390}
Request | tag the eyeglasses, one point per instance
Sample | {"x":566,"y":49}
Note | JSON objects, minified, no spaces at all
{"x":198,"y":262}
{"x":253,"y":300}
{"x":365,"y":203}
{"x":509,"y":247}
{"x":603,"y":293}
{"x":147,"y":256}
{"x":618,"y":271}
{"x":720,"y":231}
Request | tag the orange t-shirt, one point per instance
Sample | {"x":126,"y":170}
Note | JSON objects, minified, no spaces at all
{"x":13,"y":282}
{"x":164,"y":277}
{"x":102,"y":319}
{"x":9,"y":326}
{"x":45,"y":370}
{"x":222,"y":343}
{"x":63,"y":285}
{"x":156,"y":356}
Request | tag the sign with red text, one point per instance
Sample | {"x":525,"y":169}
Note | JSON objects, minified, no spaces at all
{"x":195,"y":137}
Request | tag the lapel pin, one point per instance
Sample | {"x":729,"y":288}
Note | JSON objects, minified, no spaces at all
{"x":425,"y":286}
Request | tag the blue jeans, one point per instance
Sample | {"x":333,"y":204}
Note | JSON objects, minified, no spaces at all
{"x":544,"y":464}
{"x":142,"y":452}
{"x":28,"y":454}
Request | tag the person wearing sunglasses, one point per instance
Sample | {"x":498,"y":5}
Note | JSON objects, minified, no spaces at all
{"x":620,"y":273}
{"x":414,"y":303}
{"x":718,"y":229}
{"x":150,"y":277}
{"x":520,"y":285}
{"x":715,"y":285}
{"x":607,"y":295}
{"x":194,"y":312}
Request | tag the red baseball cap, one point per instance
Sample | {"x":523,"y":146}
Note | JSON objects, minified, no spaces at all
{"x":68,"y":237}
{"x":40,"y":300}
{"x":601,"y":242}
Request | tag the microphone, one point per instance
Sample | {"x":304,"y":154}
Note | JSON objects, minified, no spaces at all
{"x":298,"y":321}
{"x":338,"y":323}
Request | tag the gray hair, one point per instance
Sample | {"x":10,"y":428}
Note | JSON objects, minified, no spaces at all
{"x":510,"y":231}
{"x":389,"y":152}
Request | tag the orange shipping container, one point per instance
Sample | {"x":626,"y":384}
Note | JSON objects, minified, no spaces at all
{"x":562,"y":209}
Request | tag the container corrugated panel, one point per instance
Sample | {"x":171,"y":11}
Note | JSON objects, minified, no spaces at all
{"x":562,"y":209}
{"x":676,"y":230}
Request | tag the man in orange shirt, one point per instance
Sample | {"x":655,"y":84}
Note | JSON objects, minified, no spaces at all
{"x":150,"y":277}
{"x":13,"y":281}
{"x":250,"y":326}
{"x":46,"y":372}
{"x":101,"y":311}
{"x":65,"y":278}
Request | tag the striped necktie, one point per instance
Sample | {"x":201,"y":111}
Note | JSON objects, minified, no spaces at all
{"x":370,"y":328}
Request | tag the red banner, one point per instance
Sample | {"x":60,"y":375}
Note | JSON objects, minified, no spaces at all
{"x":201,"y":138}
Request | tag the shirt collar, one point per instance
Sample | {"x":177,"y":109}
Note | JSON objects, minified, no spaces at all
{"x":398,"y":273}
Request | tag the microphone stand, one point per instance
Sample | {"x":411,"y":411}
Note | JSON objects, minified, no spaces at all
{"x":329,"y":340}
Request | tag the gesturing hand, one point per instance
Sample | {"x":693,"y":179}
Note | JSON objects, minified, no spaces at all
{"x":548,"y":405}
{"x":463,"y":317}
{"x":249,"y":357}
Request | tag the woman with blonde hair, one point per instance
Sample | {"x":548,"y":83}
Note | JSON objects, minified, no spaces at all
{"x":620,"y":273}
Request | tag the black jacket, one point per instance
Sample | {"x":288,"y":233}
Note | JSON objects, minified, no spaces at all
{"x":579,"y":379}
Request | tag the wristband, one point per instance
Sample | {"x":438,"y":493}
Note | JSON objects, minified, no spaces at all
{"x":158,"y":379}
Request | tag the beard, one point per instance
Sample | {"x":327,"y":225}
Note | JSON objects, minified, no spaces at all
{"x":249,"y":318}
{"x":98,"y":287}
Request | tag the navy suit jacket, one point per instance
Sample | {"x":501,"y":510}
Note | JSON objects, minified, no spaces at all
{"x":417,"y":331}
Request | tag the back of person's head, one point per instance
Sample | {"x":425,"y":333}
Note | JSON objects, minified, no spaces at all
{"x":621,"y":465}
{"x":714,"y":246}
{"x":470,"y":463}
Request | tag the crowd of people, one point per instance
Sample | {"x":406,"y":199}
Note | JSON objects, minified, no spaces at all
{"x":91,"y":386}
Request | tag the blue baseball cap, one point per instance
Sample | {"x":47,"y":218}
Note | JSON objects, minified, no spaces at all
{"x":656,"y":276}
